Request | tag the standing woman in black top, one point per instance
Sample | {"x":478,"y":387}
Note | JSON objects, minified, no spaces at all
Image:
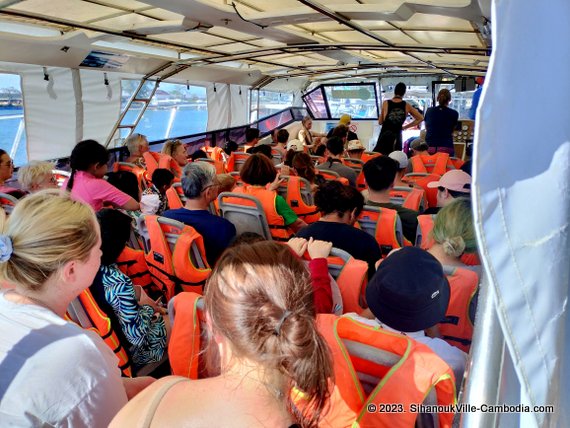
{"x":392,"y":117}
{"x":440,"y":123}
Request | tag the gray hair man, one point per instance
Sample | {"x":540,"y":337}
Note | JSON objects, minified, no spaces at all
{"x":200,"y":186}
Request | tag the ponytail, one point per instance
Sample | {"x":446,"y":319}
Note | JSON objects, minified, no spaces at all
{"x":260,"y":299}
{"x":71,"y":180}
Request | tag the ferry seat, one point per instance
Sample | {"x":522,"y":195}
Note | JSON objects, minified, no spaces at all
{"x":60,"y":176}
{"x":175,"y":255}
{"x":139,"y":172}
{"x":354,"y":164}
{"x":330,"y":175}
{"x":85,"y":312}
{"x":175,"y":196}
{"x":237,"y":178}
{"x":384,"y":225}
{"x":422,"y":180}
{"x":457,"y":327}
{"x":8,"y":202}
{"x":351,"y":276}
{"x":366,"y":156}
{"x":408,"y":197}
{"x":219,"y":165}
{"x":277,"y":157}
{"x":236,"y":161}
{"x":297,"y":192}
{"x":245,"y":212}
{"x":425,"y":241}
{"x":317,"y":160}
{"x":154,"y":160}
{"x":375,"y":368}
{"x":187,"y":337}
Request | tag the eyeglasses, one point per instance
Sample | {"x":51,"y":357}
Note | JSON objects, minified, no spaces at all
{"x":9,"y":163}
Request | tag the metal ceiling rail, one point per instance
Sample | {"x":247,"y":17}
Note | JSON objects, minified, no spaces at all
{"x":295,"y":49}
{"x":345,"y":21}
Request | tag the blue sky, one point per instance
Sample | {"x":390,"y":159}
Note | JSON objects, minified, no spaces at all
{"x":9,"y":80}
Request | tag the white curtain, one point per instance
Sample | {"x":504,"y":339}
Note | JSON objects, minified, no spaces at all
{"x":239,"y":108}
{"x":101,"y":103}
{"x":219,"y":104}
{"x":522,"y":201}
{"x":50,"y":112}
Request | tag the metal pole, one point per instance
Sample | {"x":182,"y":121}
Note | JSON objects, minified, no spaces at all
{"x":483,"y":376}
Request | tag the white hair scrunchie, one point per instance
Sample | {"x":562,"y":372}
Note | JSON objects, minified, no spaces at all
{"x":6,"y":249}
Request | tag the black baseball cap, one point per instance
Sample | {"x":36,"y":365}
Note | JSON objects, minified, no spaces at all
{"x":409,"y":291}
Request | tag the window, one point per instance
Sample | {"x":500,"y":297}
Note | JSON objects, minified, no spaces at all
{"x":359,"y":101}
{"x":12,"y":129}
{"x":174,"y":111}
{"x":269,"y":103}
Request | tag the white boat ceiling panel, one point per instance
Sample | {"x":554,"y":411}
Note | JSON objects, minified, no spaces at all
{"x":435,"y":24}
{"x":443,"y":38}
{"x":73,"y":10}
{"x":423,"y":21}
{"x":194,"y":38}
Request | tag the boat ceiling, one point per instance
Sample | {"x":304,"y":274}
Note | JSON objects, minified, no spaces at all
{"x":253,"y":42}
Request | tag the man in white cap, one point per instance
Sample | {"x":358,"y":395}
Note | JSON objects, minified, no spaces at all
{"x":400,"y":157}
{"x":453,"y":184}
{"x":355,"y":149}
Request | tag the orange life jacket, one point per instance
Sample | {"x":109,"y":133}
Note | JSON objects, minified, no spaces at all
{"x":154,"y":160}
{"x":382,"y":224}
{"x":411,"y":197}
{"x":457,"y":163}
{"x":216,"y":154}
{"x":308,"y":213}
{"x":422,"y":180}
{"x":277,"y":227}
{"x":332,"y":177}
{"x":139,"y":172}
{"x":177,"y":268}
{"x":416,"y":371}
{"x":351,"y":277}
{"x":102,"y":326}
{"x":8,"y":202}
{"x":185,"y":340}
{"x":133,"y":264}
{"x":236,"y":160}
{"x":457,"y":329}
{"x":425,"y":226}
{"x":366,"y":156}
{"x":175,"y":196}
{"x":438,"y":163}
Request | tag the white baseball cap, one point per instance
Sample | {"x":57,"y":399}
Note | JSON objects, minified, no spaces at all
{"x":400,"y":157}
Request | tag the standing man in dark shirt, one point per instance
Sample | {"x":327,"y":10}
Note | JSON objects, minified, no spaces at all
{"x":340,"y":206}
{"x":440,"y":124}
{"x":380,"y":174}
{"x":200,"y":188}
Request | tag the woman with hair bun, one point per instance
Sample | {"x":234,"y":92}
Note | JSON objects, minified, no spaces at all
{"x":54,"y":373}
{"x":453,"y":234}
{"x":266,"y":343}
{"x":440,"y":124}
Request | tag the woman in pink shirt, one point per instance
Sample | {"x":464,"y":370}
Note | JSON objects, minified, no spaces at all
{"x":88,"y":167}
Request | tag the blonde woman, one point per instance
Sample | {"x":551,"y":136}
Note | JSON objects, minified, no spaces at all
{"x":260,"y":318}
{"x":37,"y":176}
{"x":53,"y":372}
{"x":176,"y":150}
{"x":454,"y":234}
